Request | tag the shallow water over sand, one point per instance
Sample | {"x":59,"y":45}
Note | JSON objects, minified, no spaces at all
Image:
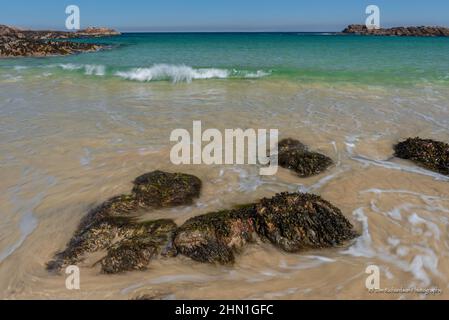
{"x":67,"y":145}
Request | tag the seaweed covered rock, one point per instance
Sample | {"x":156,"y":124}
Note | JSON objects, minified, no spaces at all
{"x":99,"y":234}
{"x":152,"y":190}
{"x":160,"y":189}
{"x":97,"y":230}
{"x":149,"y":239}
{"x":291,"y":144}
{"x":119,"y":206}
{"x":297,"y":221}
{"x":430,"y":154}
{"x":115,"y":218}
{"x":217,"y":236}
{"x":295,"y":156}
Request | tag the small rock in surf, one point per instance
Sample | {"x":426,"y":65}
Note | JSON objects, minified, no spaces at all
{"x":429,"y":154}
{"x":295,"y":156}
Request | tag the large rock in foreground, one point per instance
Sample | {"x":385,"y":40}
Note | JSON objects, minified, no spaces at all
{"x":145,"y":242}
{"x":291,"y":221}
{"x":430,"y":154}
{"x":421,"y":31}
{"x":296,"y":222}
{"x":115,"y":219}
{"x":294,"y":155}
{"x":216,"y":237}
{"x":160,"y":189}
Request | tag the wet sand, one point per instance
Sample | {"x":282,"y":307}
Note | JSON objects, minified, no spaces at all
{"x":67,"y":146}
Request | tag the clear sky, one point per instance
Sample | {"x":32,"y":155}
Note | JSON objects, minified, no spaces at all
{"x":222,"y":15}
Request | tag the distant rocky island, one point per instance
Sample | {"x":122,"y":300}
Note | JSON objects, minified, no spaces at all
{"x":15,"y":42}
{"x":421,"y":31}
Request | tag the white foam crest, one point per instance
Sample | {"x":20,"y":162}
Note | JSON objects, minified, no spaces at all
{"x":416,"y":220}
{"x":322,"y":182}
{"x":89,"y":69}
{"x":422,"y":263}
{"x":257,"y":74}
{"x":362,"y":246}
{"x":96,"y":70}
{"x":175,"y":73}
{"x":396,"y":166}
{"x":70,"y":66}
{"x":312,"y":262}
{"x":403,"y":191}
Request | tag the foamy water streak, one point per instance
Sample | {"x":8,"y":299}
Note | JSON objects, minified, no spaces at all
{"x":25,"y":207}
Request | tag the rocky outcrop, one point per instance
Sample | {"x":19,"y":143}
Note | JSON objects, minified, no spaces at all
{"x":292,"y":222}
{"x":148,"y":240}
{"x":18,"y":47}
{"x":15,"y":42}
{"x":7,"y":30}
{"x":115,"y":220}
{"x":160,"y":189}
{"x":294,"y":155}
{"x":96,"y":32}
{"x":299,"y":221}
{"x":216,"y":237}
{"x":90,"y":32}
{"x":429,"y":154}
{"x":421,"y":31}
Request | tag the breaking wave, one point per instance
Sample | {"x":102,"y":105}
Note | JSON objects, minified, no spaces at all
{"x":96,"y":70}
{"x":157,"y":72}
{"x":182,"y":73}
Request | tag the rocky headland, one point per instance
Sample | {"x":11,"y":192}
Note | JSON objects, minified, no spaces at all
{"x":420,"y":31}
{"x":15,"y":42}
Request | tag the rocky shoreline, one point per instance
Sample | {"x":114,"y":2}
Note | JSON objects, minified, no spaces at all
{"x":421,"y":31}
{"x":15,"y":42}
{"x":292,"y":222}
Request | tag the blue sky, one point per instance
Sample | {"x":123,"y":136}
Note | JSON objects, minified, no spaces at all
{"x":222,"y":15}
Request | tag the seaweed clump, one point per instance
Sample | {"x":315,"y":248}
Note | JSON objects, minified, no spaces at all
{"x":114,"y":220}
{"x":291,"y":221}
{"x":148,"y":240}
{"x":298,"y":221}
{"x":160,"y":189}
{"x":429,"y":154}
{"x":295,"y":156}
{"x":216,"y":237}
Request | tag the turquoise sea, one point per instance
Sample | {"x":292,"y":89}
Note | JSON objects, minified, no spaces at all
{"x":302,"y":57}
